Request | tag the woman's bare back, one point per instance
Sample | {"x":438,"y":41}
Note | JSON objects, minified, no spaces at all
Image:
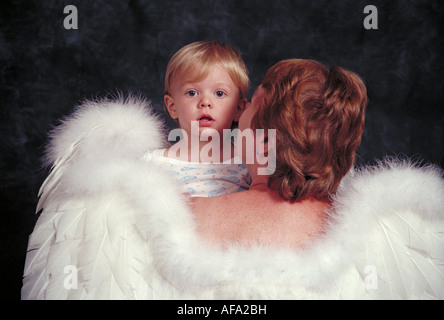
{"x":259,"y":216}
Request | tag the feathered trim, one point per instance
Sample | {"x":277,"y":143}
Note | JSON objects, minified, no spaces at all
{"x":124,"y":223}
{"x":123,"y":128}
{"x":99,"y":139}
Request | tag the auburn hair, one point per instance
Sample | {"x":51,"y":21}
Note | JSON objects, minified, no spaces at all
{"x":318,"y":114}
{"x":194,"y":61}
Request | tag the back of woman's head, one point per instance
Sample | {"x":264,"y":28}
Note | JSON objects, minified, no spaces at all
{"x":318,"y":114}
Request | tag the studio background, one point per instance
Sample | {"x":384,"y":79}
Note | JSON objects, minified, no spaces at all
{"x":46,"y":70}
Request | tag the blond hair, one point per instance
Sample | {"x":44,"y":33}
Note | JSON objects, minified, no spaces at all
{"x":194,"y":61}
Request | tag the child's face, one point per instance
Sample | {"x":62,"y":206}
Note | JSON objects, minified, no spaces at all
{"x":213,"y":101}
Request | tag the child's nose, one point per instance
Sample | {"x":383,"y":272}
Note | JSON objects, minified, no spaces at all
{"x":205,"y":102}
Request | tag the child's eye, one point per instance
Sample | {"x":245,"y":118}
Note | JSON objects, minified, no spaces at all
{"x":220,"y":94}
{"x":191,"y":93}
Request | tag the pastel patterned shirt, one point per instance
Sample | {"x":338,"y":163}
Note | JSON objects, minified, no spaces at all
{"x":205,"y":179}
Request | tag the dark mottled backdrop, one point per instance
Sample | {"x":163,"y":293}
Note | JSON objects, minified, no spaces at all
{"x":45,"y":70}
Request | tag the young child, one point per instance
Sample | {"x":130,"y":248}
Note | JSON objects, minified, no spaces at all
{"x":206,"y":83}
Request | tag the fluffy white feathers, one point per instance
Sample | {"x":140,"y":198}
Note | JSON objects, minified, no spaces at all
{"x":87,"y":220}
{"x":125,"y":128}
{"x":125,"y":226}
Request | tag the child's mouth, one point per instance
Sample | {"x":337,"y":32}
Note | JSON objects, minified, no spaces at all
{"x":205,"y":120}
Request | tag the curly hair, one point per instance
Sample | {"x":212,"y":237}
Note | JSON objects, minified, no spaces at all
{"x":318,"y":114}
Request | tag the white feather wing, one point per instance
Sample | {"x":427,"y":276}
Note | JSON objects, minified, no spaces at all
{"x":85,"y":244}
{"x":84,"y":249}
{"x":397,"y":211}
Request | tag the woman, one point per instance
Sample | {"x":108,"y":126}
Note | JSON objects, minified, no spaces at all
{"x":114,"y":226}
{"x":318,"y":115}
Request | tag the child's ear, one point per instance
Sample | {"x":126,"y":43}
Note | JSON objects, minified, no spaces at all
{"x":170,"y":106}
{"x":240,"y":109}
